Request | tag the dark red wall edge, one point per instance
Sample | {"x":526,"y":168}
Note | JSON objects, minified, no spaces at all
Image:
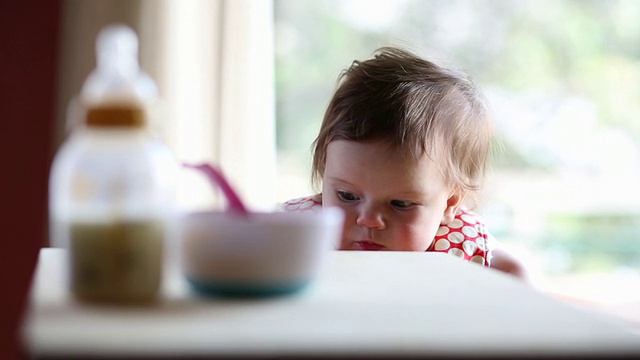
{"x":29,"y":38}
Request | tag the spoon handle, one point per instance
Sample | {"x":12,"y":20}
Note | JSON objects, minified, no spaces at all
{"x":215,"y":176}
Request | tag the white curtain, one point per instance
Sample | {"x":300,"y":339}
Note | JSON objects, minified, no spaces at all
{"x":214,"y":64}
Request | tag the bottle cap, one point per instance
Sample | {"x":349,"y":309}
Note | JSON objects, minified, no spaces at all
{"x":117,"y":91}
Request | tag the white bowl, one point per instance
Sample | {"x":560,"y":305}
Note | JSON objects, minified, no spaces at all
{"x":262,"y":254}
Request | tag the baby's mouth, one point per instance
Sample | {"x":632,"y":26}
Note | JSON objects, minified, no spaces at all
{"x":366,"y":245}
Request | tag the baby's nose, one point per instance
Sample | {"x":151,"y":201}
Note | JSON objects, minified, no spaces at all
{"x":371,"y":219}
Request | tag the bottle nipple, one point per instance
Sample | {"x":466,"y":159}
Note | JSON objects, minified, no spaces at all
{"x":116,"y":92}
{"x":117,"y":51}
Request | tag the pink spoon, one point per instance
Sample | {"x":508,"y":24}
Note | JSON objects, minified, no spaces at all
{"x":217,"y":178}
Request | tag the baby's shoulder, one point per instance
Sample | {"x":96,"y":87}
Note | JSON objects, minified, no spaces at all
{"x":470,"y":223}
{"x":302,"y":204}
{"x":465,"y":236}
{"x":469,"y":217}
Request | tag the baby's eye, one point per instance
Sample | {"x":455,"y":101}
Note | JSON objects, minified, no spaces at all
{"x":346,"y":196}
{"x":401,"y":204}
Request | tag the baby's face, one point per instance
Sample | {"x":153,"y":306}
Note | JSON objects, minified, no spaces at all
{"x":390,"y":203}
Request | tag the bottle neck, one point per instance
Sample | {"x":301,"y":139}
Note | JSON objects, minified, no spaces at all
{"x":118,"y":115}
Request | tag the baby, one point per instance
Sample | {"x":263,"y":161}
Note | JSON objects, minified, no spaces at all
{"x":402,"y":144}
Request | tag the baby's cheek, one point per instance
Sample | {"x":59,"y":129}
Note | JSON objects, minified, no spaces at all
{"x":419,"y":238}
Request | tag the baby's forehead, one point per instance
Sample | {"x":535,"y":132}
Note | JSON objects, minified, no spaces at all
{"x":411,"y":153}
{"x":376,"y":159}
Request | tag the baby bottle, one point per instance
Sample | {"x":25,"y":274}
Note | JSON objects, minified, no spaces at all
{"x":112,"y":182}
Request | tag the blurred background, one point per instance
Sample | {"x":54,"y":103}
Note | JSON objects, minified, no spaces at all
{"x":563,"y":81}
{"x":244,"y":84}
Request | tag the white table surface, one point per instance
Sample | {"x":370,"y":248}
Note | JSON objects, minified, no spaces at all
{"x":364,"y":303}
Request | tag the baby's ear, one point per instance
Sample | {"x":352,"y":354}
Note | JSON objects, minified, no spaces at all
{"x":453,"y":204}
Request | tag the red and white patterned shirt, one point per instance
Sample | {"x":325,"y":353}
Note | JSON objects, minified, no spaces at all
{"x":466,"y":236}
